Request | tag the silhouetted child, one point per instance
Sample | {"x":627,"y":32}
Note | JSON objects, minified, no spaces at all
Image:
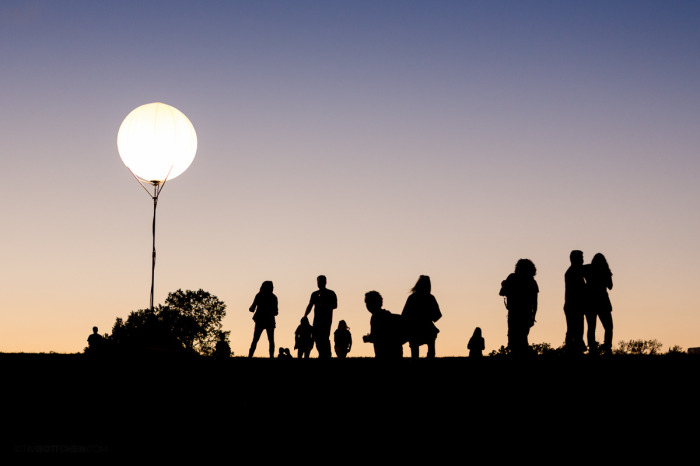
{"x":284,"y":354}
{"x":342,"y":339}
{"x":476,"y":344}
{"x":303,"y":338}
{"x":222,"y":349}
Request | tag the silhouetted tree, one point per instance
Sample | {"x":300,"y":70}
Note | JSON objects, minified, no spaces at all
{"x":502,"y":351}
{"x":189,"y":321}
{"x":195,"y":317}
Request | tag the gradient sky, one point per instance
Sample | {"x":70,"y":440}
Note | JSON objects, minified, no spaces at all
{"x":370,"y":141}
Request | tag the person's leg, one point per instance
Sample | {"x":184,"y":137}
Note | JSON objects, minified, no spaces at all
{"x":256,"y":336}
{"x":271,"y":340}
{"x":606,"y":321}
{"x":517,"y":334}
{"x":322,"y":335}
{"x":591,"y":318}
{"x":578,"y":331}
{"x":415,"y":350}
{"x":431,"y":349}
{"x":569,"y":339}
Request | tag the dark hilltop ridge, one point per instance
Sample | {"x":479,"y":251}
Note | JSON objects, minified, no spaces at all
{"x":77,"y":406}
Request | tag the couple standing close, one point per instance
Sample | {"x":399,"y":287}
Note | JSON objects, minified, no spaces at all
{"x":586,"y":295}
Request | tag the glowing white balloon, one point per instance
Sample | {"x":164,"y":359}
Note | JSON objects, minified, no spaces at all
{"x":157,"y":141}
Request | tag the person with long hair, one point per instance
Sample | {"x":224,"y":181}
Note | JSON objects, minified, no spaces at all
{"x":421,"y":311}
{"x":304,"y":338}
{"x":476,"y":344}
{"x":342,"y":339}
{"x":265,"y":308}
{"x":520,"y":292}
{"x":598,"y":282}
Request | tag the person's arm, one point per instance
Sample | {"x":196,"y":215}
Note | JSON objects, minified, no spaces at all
{"x":534,"y":308}
{"x":311,"y":305}
{"x":503,"y":288}
{"x":436,"y":310}
{"x":254,"y":305}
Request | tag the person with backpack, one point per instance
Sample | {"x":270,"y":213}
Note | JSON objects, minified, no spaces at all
{"x":520,"y":292}
{"x":387,"y":331}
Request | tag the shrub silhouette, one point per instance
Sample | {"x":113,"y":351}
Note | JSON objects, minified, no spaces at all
{"x":639,"y":347}
{"x":188,"y":321}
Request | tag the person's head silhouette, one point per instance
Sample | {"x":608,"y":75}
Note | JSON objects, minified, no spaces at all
{"x":599,"y":262}
{"x":422,"y":285}
{"x":94,"y":329}
{"x":373,"y":301}
{"x":321,"y":281}
{"x":266,"y":287}
{"x":525,"y":267}
{"x":576,"y":257}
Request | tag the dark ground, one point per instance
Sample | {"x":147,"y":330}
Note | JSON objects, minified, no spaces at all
{"x":448,"y":409}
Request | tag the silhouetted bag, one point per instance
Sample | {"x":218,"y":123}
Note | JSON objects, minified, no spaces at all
{"x":398,"y":327}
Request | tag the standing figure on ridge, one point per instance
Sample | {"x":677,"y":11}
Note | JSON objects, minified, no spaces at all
{"x":222,"y":349}
{"x":387,"y":331}
{"x":476,"y":344}
{"x":304,"y":338}
{"x":598,"y":282}
{"x":322,"y":301}
{"x":95,"y":342}
{"x":574,"y":303}
{"x":520,"y":291}
{"x":342,"y":339}
{"x":265,"y":308}
{"x":420,"y":312}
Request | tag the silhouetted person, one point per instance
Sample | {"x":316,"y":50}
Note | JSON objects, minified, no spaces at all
{"x":574,"y":303}
{"x":520,"y":291}
{"x":598,"y":282}
{"x":222,"y":350}
{"x":342,"y":339}
{"x":95,"y":342}
{"x":322,"y":301}
{"x":420,"y":312}
{"x":476,"y":344}
{"x":284,"y":354}
{"x":265,"y":308}
{"x":387,"y":331}
{"x":304,"y":338}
